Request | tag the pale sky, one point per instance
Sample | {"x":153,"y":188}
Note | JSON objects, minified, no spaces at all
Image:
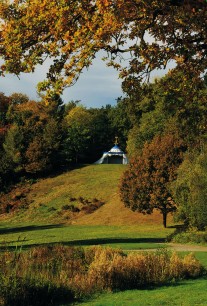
{"x":96,"y":87}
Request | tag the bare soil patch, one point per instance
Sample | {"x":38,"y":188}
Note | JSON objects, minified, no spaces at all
{"x":187,"y":247}
{"x":178,"y":247}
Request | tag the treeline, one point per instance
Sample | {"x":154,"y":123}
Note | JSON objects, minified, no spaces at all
{"x":162,"y":126}
{"x":39,"y":137}
{"x":168,"y":149}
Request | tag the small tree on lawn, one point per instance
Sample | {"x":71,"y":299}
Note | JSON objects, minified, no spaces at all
{"x":144,"y":185}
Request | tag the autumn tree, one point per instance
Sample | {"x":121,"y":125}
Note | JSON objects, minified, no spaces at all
{"x":4,"y":124}
{"x":6,"y":167}
{"x":44,"y":150}
{"x":34,"y":138}
{"x":145,"y":185}
{"x":18,"y":98}
{"x":151,"y":33}
{"x":4,"y":105}
{"x":23,"y":126}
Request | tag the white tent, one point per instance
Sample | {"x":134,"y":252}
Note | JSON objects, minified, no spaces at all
{"x":114,"y":156}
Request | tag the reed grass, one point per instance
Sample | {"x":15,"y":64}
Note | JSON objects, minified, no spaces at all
{"x":57,"y":274}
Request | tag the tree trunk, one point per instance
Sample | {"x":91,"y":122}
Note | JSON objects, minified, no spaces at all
{"x":164,"y":214}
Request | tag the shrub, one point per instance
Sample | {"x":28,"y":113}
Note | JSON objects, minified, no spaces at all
{"x":72,"y":199}
{"x":114,"y":271}
{"x":50,"y":275}
{"x":192,"y":267}
{"x":89,"y":209}
{"x":75,"y":209}
{"x":94,"y":200}
{"x":81,"y":200}
{"x":71,"y":208}
{"x":66,"y":207}
{"x":191,"y":236}
{"x":23,"y":292}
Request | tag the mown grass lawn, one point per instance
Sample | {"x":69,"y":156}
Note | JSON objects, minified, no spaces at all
{"x":185,"y":293}
{"x":125,"y":237}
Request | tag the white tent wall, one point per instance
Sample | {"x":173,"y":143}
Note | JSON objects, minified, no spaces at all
{"x":114,"y":156}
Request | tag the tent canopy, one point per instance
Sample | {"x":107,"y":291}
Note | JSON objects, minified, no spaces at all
{"x":114,"y":156}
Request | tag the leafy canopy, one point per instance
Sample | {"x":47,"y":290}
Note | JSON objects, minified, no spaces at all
{"x":190,"y":189}
{"x":172,"y":103}
{"x":71,"y":33}
{"x":145,"y":184}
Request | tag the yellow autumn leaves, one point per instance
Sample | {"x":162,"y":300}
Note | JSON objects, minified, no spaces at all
{"x":74,"y":31}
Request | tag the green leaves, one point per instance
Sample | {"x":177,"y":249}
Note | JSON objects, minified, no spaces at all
{"x":190,"y":189}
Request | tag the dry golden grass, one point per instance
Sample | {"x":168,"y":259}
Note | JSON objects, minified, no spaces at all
{"x":115,"y":213}
{"x":59,"y":272}
{"x":48,"y":196}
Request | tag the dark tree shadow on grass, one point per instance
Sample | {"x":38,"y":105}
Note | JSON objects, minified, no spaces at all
{"x":112,"y":241}
{"x":63,"y":169}
{"x":22,"y":229}
{"x":106,"y":241}
{"x":86,"y":242}
{"x":179,"y":228}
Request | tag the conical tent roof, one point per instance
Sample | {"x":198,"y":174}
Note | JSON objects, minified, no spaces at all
{"x":113,"y":156}
{"x":116,"y":150}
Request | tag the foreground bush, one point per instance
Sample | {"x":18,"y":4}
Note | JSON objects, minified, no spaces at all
{"x":113,"y":271}
{"x":17,"y":291}
{"x":50,"y":275}
{"x":191,"y":236}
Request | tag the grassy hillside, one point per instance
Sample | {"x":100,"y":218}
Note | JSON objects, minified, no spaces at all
{"x":46,"y":220}
{"x":50,"y":197}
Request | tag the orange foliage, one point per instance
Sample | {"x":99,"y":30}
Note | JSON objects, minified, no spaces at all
{"x":145,"y":186}
{"x":72,"y":33}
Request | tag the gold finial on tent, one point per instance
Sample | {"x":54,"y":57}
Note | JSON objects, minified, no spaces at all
{"x":116,"y":140}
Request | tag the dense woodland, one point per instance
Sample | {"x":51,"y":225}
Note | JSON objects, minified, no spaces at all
{"x":37,"y":138}
{"x":167,"y":145}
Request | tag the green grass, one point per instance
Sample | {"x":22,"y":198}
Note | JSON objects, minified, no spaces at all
{"x":112,"y":225}
{"x":185,"y":293}
{"x":125,"y":237}
{"x":202,"y":257}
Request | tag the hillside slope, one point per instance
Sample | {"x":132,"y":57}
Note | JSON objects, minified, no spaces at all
{"x":51,"y":199}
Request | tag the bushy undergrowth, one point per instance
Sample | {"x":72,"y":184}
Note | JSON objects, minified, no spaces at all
{"x":47,"y":275}
{"x":191,"y":236}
